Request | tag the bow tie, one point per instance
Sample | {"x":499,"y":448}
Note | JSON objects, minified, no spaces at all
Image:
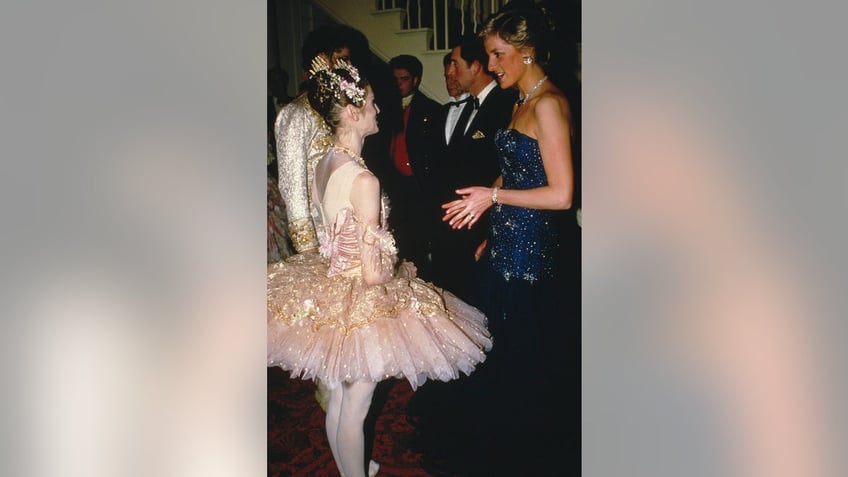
{"x":460,"y":102}
{"x":475,"y":102}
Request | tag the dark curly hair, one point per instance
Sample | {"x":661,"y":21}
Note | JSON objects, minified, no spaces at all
{"x":329,"y":38}
{"x":326,"y":95}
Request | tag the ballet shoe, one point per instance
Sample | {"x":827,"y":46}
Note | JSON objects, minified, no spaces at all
{"x":373,"y":468}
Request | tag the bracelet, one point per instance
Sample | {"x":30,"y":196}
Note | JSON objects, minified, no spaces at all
{"x":495,"y":196}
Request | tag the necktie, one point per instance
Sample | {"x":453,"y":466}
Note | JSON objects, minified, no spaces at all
{"x":462,"y":122}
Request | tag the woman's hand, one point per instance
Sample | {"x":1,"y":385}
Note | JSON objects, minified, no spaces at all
{"x":465,"y":212}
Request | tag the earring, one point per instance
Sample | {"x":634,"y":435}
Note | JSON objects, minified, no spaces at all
{"x":527,"y":60}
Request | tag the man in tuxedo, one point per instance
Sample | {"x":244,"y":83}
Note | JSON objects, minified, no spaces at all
{"x":413,"y":149}
{"x":452,"y":110}
{"x":470,"y":159}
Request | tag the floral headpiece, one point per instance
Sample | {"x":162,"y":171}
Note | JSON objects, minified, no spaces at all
{"x":352,"y":91}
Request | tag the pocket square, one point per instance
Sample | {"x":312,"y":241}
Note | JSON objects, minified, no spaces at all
{"x":478,"y":135}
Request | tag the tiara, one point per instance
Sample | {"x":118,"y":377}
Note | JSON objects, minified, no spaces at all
{"x":354,"y":93}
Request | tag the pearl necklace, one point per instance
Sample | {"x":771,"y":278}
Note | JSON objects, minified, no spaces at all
{"x":523,"y":100}
{"x":356,"y":157}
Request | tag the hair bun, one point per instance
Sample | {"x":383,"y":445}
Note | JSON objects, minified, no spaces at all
{"x":333,"y":87}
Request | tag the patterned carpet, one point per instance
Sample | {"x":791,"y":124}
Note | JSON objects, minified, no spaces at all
{"x":297,"y":444}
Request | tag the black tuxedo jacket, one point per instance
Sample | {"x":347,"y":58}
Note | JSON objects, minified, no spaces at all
{"x":471,"y":159}
{"x":411,"y":197}
{"x":421,"y":144}
{"x":422,"y":134}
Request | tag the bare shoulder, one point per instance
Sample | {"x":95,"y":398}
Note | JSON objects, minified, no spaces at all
{"x":366,"y":181}
{"x":552,"y":115}
{"x":552,"y":106}
{"x":365,"y":197}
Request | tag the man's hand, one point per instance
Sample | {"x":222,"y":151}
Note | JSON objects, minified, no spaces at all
{"x":480,"y":249}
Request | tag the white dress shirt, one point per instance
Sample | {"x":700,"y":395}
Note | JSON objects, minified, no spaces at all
{"x":453,"y":115}
{"x":480,"y":97}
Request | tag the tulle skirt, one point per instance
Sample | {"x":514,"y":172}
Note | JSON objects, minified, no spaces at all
{"x":339,"y":329}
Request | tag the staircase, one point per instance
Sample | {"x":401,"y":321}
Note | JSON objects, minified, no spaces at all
{"x":414,"y":27}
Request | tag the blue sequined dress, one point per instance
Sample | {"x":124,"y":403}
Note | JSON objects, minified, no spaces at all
{"x":515,"y":401}
{"x":522,"y":291}
{"x":524,"y":242}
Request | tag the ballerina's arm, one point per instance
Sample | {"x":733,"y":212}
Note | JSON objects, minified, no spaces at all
{"x":365,"y":197}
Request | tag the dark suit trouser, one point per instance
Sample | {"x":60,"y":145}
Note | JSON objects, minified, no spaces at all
{"x":407,"y":219}
{"x":454,"y":266}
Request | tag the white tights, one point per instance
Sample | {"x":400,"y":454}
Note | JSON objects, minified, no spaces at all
{"x":346,"y":411}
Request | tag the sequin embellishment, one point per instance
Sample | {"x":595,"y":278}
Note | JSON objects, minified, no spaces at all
{"x":523,"y":240}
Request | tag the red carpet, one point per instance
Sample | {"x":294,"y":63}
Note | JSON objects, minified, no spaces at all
{"x":297,"y":444}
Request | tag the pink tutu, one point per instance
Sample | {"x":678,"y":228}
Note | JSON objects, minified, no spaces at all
{"x":340,"y":329}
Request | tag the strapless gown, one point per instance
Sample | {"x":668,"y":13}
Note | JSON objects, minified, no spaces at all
{"x":527,"y":303}
{"x":521,"y":261}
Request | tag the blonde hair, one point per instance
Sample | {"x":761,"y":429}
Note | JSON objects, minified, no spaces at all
{"x":522,"y":28}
